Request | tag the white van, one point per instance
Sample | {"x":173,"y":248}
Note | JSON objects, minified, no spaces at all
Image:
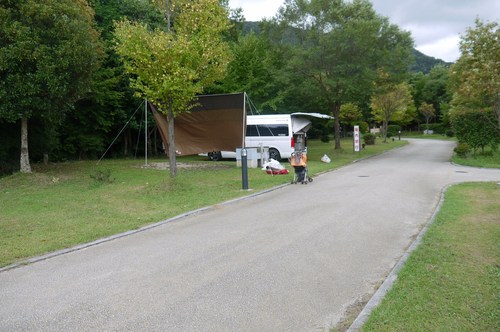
{"x":274,"y":131}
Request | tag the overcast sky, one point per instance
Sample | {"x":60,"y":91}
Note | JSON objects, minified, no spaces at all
{"x":435,"y":25}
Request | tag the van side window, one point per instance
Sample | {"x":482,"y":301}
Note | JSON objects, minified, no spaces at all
{"x":267,"y":130}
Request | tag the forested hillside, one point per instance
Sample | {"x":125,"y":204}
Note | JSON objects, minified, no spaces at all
{"x":423,"y":63}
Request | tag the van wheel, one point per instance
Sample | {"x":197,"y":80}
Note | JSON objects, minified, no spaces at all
{"x":274,"y":154}
{"x":215,"y":156}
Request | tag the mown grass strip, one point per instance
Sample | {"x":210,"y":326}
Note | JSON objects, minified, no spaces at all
{"x":428,"y":136}
{"x":451,"y":282}
{"x":488,"y":158}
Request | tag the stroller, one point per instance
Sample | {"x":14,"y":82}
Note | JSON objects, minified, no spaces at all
{"x":298,"y":160}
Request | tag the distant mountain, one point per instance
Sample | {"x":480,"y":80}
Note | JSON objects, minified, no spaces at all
{"x":251,"y":26}
{"x":423,"y":63}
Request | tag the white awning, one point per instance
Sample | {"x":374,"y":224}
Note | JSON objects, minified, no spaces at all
{"x":301,"y":124}
{"x":315,"y":115}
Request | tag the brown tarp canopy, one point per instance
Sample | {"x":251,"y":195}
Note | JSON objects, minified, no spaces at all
{"x":216,"y":123}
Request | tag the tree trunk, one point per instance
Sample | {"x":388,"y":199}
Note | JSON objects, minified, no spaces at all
{"x":125,"y":143}
{"x":336,"y":116}
{"x":496,"y":111}
{"x":171,"y":143}
{"x":385,"y":125}
{"x":25,"y":158}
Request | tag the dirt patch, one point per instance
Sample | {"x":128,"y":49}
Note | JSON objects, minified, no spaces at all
{"x":44,"y":180}
{"x":163,"y":166}
{"x":352,"y":313}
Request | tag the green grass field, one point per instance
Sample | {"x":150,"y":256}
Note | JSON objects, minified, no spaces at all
{"x":428,"y":136}
{"x":489,"y":159}
{"x":451,"y":282}
{"x":62,"y":205}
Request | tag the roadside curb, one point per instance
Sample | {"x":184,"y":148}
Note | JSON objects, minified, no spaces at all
{"x":163,"y":222}
{"x":131,"y":232}
{"x":389,"y":281}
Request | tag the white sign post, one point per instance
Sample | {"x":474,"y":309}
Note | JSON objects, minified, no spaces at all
{"x":356,"y":138}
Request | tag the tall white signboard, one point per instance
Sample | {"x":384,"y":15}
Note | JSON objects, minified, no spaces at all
{"x":356,"y":138}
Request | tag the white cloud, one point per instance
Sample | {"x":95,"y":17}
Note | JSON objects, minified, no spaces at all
{"x":444,"y":48}
{"x":435,"y":25}
{"x":256,"y":10}
{"x":437,"y":41}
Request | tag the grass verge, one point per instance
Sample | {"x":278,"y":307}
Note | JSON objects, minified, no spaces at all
{"x":489,"y":159}
{"x":62,"y":205}
{"x":428,"y":136}
{"x":451,"y":282}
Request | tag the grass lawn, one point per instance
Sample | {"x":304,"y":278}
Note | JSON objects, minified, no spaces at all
{"x":489,"y":159}
{"x":62,"y":205}
{"x":428,"y":136}
{"x":452,"y":281}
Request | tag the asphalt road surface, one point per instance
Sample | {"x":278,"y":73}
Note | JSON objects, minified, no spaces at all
{"x":293,"y":259}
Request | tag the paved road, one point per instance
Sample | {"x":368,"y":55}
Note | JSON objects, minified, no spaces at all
{"x":293,"y":259}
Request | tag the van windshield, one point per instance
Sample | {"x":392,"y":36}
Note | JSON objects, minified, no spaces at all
{"x":267,"y":130}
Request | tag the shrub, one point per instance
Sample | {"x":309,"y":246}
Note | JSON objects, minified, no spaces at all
{"x":102,"y":176}
{"x":437,"y":128}
{"x":369,"y":138}
{"x":363,"y":127}
{"x":392,"y":130}
{"x":462,"y":150}
{"x":488,"y":153}
{"x":475,"y":127}
{"x":450,"y":133}
{"x":6,"y":168}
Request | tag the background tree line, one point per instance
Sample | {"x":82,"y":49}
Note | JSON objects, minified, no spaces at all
{"x":63,"y":82}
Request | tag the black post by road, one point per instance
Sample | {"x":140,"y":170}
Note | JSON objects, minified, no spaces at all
{"x":244,"y":169}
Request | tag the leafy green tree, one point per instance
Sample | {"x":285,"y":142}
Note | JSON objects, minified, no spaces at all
{"x":339,"y":45}
{"x":432,"y":89}
{"x":350,"y":114}
{"x":171,"y":66}
{"x":476,"y":74}
{"x":237,"y":20}
{"x":435,"y":89}
{"x":254,"y":68}
{"x":85,"y":132}
{"x":427,"y":110}
{"x":475,"y":127}
{"x":107,"y":12}
{"x":49,"y":50}
{"x":391,"y":105}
